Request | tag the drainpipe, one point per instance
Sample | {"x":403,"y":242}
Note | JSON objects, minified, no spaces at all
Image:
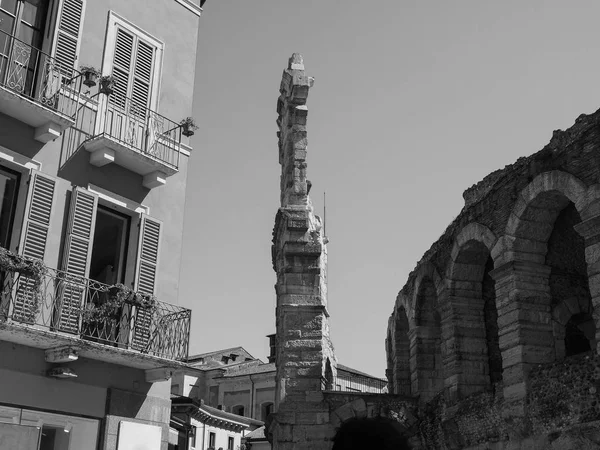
{"x":203,"y":434}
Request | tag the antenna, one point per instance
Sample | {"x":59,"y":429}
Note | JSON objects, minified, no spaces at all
{"x":324,"y":215}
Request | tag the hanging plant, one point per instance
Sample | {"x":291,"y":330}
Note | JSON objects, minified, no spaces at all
{"x":107,"y":84}
{"x":30,"y":291}
{"x":90,"y":75}
{"x":188,"y":126}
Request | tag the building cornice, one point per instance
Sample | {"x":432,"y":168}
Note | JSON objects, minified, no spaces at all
{"x":190,"y":6}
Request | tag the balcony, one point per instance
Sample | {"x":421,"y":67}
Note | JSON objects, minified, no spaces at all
{"x":56,"y":308}
{"x":35,"y":89}
{"x":136,"y":138}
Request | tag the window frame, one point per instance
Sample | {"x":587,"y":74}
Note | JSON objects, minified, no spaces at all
{"x":18,"y":163}
{"x":115,"y":20}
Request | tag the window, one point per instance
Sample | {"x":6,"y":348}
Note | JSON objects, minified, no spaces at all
{"x":106,"y":262}
{"x":212,"y":437}
{"x":238,"y":409}
{"x":175,"y":389}
{"x":230,"y":443}
{"x":9,"y":191}
{"x":133,"y":57}
{"x":265,"y":410}
{"x":193,"y":438}
{"x":32,"y":29}
{"x":52,"y":431}
{"x":109,"y":249}
{"x":25,"y":21}
{"x":213,"y":396}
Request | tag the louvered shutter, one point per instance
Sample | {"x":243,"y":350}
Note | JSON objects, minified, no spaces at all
{"x":76,"y":259}
{"x":33,"y":239}
{"x":142,"y":75}
{"x":122,"y":66}
{"x":145,"y":278}
{"x":68,"y":33}
{"x":133,"y":65}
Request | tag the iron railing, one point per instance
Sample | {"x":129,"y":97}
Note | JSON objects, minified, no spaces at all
{"x":32,"y":73}
{"x":141,"y":129}
{"x":355,"y":384}
{"x":61,"y":302}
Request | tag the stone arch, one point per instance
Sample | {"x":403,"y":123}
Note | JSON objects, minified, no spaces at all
{"x":550,"y":192}
{"x":426,"y":271}
{"x":541,"y":251}
{"x":475,"y":360}
{"x":370,"y":432}
{"x":426,"y":365}
{"x":400,"y":412}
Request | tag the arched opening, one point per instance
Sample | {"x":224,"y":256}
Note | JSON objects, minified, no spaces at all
{"x":475,"y":318}
{"x":401,"y":356}
{"x":580,"y":331}
{"x":266,"y":409}
{"x":380,"y":433}
{"x":427,"y":372}
{"x":238,"y":409}
{"x":569,"y":288}
{"x":490,"y":316}
{"x":389,"y":356}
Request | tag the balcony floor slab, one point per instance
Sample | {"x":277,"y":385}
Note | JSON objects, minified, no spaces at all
{"x":31,"y":336}
{"x":30,"y":112}
{"x":127,"y":156}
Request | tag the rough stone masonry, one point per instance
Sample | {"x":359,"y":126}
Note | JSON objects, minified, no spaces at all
{"x":305,"y":357}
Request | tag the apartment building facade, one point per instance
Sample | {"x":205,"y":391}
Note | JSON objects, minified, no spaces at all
{"x":94,"y":151}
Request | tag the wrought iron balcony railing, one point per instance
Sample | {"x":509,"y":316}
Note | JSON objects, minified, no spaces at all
{"x":35,"y":75}
{"x":141,"y":129}
{"x":355,"y":384}
{"x":63,"y":303}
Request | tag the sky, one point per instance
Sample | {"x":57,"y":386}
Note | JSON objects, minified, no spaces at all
{"x":413,"y":102}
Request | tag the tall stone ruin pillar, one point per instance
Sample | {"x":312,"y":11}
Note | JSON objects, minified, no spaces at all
{"x":305,"y":360}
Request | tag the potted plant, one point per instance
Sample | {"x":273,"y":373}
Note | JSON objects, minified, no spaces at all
{"x":90,"y":75}
{"x":107,"y":84}
{"x":30,"y":289}
{"x":188,"y":126}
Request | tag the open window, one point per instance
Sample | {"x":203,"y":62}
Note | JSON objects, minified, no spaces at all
{"x":104,"y":248}
{"x":39,"y":43}
{"x":9,"y":194}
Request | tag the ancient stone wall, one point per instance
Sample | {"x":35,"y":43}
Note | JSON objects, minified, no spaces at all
{"x":305,"y":359}
{"x":513,"y":284}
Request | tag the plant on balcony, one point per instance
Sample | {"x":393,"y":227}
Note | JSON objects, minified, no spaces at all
{"x":107,"y":84}
{"x":90,"y":75}
{"x":188,"y":126}
{"x":30,"y":290}
{"x":118,"y":296}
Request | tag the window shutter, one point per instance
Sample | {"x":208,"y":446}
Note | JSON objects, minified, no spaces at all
{"x":76,"y":258}
{"x":145,"y":277}
{"x":133,"y":65}
{"x":34,"y":236}
{"x":142,"y":75}
{"x":122,"y":66}
{"x":68,"y":32}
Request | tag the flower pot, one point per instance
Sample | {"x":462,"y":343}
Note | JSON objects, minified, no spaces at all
{"x":90,"y":78}
{"x":107,"y":87}
{"x":187,"y":130}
